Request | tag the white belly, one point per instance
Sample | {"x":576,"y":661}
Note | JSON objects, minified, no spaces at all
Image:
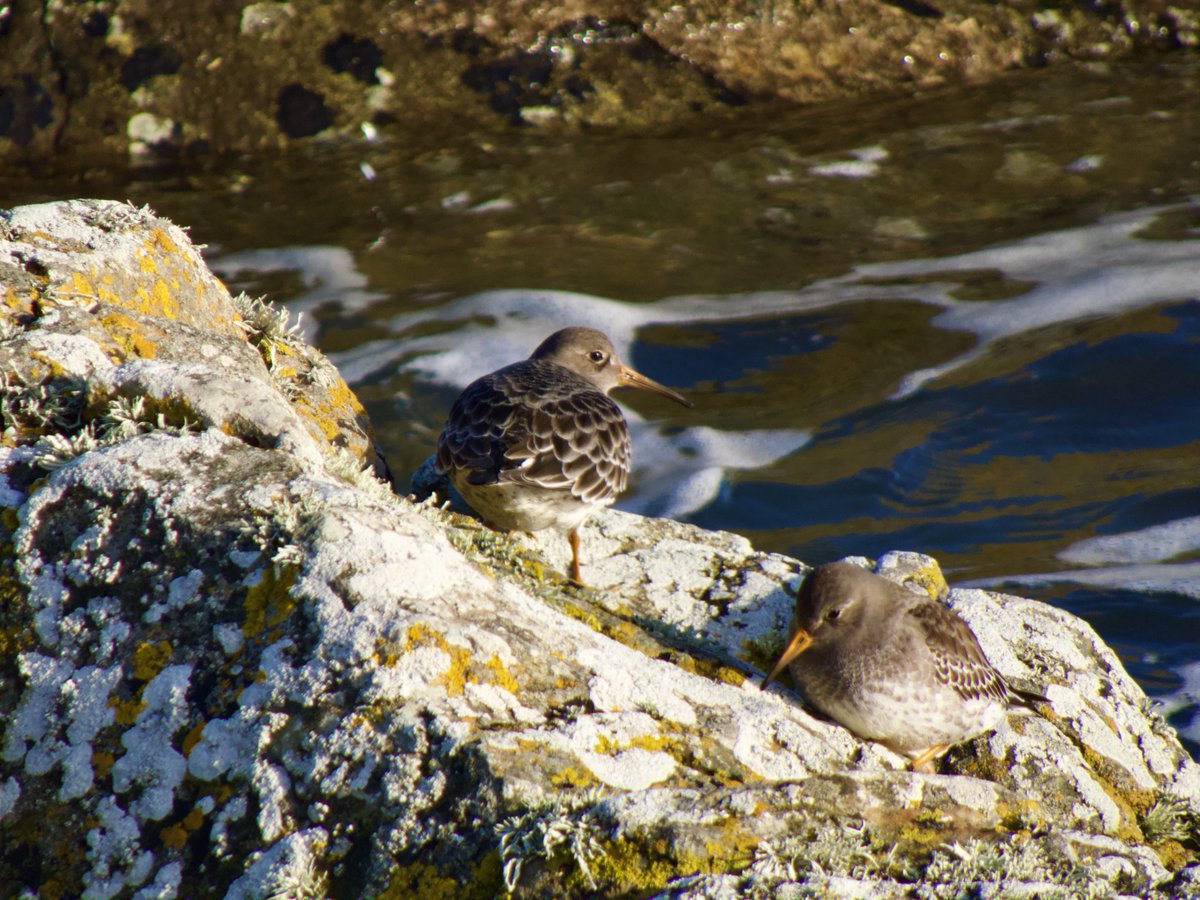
{"x":911,"y":715}
{"x":519,"y":507}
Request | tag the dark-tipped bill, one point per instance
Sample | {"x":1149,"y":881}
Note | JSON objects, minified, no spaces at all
{"x":631,"y":378}
{"x":797,"y":645}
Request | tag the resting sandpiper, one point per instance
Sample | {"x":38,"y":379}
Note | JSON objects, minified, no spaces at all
{"x":891,"y":665}
{"x":539,"y":444}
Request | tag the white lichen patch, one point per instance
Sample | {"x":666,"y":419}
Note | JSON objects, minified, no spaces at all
{"x":10,"y":792}
{"x":151,"y":761}
{"x":115,"y":855}
{"x":973,"y":793}
{"x":62,"y":711}
{"x":616,"y":749}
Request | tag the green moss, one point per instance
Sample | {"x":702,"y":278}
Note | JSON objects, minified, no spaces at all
{"x":1131,"y":801}
{"x":631,"y":867}
{"x":762,"y":650}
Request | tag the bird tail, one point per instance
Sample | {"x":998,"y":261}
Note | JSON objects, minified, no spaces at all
{"x":1027,"y":698}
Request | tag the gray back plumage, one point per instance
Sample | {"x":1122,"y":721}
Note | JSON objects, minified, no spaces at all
{"x":538,"y":423}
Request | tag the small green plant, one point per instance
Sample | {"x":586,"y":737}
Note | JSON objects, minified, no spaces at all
{"x":9,"y":329}
{"x":544,"y":833}
{"x":122,"y":216}
{"x":123,"y":418}
{"x":55,"y":404}
{"x":343,"y":464}
{"x":56,"y":450}
{"x":1009,"y":859}
{"x":281,"y":532}
{"x":305,"y":882}
{"x":267,"y":326}
{"x":1170,"y":819}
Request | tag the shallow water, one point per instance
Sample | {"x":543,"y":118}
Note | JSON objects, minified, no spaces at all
{"x":964,"y":323}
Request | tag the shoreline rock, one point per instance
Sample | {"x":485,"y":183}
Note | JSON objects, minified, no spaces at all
{"x":121,"y":81}
{"x":235,"y":664}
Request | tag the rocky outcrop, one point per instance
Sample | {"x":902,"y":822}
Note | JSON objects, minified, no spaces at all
{"x":234,"y":663}
{"x":113,"y":78}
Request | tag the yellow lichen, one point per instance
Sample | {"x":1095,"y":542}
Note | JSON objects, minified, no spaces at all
{"x":574,"y":776}
{"x":1172,"y":854}
{"x":929,"y":578}
{"x":501,"y":677}
{"x":270,"y":601}
{"x":651,"y":742}
{"x":102,"y":762}
{"x":174,"y":836}
{"x":192,"y":738}
{"x":419,"y":634}
{"x":81,"y":285}
{"x":421,"y":879}
{"x":194,"y":819}
{"x":129,"y":335}
{"x":149,"y":659}
{"x":1130,"y":801}
{"x":164,"y":301}
{"x":126,"y":711}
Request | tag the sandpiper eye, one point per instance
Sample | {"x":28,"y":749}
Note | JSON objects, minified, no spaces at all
{"x":596,"y":356}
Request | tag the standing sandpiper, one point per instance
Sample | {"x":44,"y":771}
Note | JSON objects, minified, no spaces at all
{"x":891,"y":665}
{"x":539,"y":444}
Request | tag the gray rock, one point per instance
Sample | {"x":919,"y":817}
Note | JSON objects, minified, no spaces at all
{"x":235,"y":664}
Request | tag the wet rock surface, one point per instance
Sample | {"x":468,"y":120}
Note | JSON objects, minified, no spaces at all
{"x":114,"y":79}
{"x":234,"y":663}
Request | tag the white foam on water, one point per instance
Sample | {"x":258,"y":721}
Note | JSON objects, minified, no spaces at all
{"x":1154,"y":544}
{"x":1186,"y":697}
{"x":1147,"y":578}
{"x":1096,"y":270}
{"x":865,"y":164}
{"x":329,"y":274}
{"x":681,"y":473}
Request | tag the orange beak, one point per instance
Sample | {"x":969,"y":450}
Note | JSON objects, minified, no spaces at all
{"x":798,"y":644}
{"x":631,"y":378}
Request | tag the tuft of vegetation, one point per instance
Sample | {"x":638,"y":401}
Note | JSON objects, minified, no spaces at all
{"x":55,"y":404}
{"x":1170,"y":819}
{"x":122,"y":419}
{"x":268,"y":327}
{"x":566,"y":831}
{"x":342,"y":464}
{"x":122,"y":217}
{"x":304,"y":882}
{"x":281,"y":532}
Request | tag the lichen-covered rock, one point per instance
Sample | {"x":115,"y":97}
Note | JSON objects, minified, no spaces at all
{"x":234,"y":664}
{"x":102,"y":301}
{"x":196,"y":76}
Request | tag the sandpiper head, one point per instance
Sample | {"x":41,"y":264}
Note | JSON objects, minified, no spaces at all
{"x":834,"y":602}
{"x":590,"y":354}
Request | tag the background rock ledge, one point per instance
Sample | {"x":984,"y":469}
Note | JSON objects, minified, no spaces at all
{"x":92,"y":80}
{"x":233,"y":663}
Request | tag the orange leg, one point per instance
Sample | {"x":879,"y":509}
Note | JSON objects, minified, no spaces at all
{"x":923,"y":761}
{"x":573,"y":538}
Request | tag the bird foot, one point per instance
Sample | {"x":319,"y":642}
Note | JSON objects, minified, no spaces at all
{"x":926,"y":759}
